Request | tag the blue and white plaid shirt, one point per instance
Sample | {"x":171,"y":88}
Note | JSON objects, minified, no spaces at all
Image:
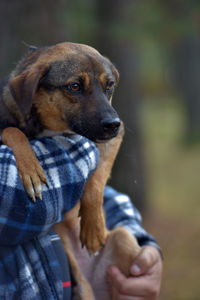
{"x":29,"y":269}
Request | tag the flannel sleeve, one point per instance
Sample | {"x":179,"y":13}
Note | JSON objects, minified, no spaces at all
{"x":120,"y":211}
{"x":68,"y":162}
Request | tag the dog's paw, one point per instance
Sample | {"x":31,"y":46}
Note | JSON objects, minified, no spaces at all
{"x":92,"y":234}
{"x":32,"y":176}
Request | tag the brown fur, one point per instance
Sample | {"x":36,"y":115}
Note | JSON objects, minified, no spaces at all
{"x":68,"y":88}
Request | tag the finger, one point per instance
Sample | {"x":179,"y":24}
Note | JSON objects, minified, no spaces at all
{"x":128,"y":286}
{"x":138,"y":286}
{"x":115,"y":295}
{"x":146,"y":259}
{"x":115,"y":276}
{"x":119,"y":282}
{"x":124,"y":297}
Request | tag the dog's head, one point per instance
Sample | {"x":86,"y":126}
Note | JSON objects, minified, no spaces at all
{"x":70,"y":87}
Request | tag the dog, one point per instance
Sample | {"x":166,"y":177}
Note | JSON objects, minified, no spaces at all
{"x":63,"y":89}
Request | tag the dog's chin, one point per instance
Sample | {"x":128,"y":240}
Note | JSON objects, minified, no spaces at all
{"x":104,"y":139}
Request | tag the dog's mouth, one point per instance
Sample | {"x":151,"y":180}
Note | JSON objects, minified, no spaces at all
{"x":99,"y":137}
{"x":104,"y":131}
{"x":104,"y":139}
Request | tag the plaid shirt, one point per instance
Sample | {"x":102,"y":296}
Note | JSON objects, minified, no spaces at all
{"x":29,"y":268}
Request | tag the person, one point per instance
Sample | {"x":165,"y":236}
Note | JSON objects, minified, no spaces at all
{"x":33,"y":264}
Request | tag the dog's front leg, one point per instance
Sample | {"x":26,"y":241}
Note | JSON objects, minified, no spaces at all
{"x":93,"y":229}
{"x":30,"y":171}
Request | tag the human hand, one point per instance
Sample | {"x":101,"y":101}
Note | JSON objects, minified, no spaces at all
{"x":144,"y":281}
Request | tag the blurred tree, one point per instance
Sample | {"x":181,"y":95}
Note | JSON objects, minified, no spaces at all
{"x":186,"y":48}
{"x":25,"y":21}
{"x":113,"y":39}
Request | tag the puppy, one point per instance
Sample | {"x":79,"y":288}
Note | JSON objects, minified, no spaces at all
{"x":68,"y":88}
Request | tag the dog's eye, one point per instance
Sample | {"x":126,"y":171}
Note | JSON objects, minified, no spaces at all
{"x":74,"y":87}
{"x":110,"y":86}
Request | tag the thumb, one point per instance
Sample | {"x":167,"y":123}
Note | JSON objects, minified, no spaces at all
{"x":143,"y":262}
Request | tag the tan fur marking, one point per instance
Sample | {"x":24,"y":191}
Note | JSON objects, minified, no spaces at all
{"x":51,"y":110}
{"x":103,"y":79}
{"x":86,"y":79}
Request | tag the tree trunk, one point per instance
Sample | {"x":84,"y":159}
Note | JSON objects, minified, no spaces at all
{"x":186,"y":53}
{"x":187,"y":70}
{"x":27,"y":22}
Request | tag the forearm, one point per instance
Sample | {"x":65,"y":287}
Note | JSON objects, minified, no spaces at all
{"x":119,"y":211}
{"x":67,"y":162}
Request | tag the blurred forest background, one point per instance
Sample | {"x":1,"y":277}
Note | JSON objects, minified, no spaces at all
{"x":156,"y":46}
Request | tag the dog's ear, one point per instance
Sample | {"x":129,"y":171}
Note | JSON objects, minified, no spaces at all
{"x":113,"y":68}
{"x":24,"y":86}
{"x":115,"y":72}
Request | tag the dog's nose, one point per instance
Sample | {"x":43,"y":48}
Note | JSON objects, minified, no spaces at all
{"x":110,"y":125}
